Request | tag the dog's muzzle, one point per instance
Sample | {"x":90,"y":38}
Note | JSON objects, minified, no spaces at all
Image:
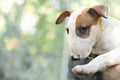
{"x":90,"y":57}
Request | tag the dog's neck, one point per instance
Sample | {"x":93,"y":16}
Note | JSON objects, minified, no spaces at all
{"x":103,"y":37}
{"x":99,"y":28}
{"x":99,"y":43}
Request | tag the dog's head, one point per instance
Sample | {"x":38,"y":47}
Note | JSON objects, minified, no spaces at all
{"x":82,"y":28}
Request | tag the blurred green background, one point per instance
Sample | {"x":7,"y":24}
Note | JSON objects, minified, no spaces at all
{"x":32,"y":47}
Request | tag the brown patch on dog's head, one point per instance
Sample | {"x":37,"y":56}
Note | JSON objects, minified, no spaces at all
{"x":89,"y":17}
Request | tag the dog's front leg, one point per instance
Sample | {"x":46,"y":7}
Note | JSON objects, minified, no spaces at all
{"x":99,"y":63}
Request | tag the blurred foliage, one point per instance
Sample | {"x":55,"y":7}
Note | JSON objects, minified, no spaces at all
{"x":31,"y":45}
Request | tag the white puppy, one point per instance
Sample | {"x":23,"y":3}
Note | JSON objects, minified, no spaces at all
{"x":92,"y":30}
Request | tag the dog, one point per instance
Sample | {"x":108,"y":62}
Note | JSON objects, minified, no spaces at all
{"x":91,"y":30}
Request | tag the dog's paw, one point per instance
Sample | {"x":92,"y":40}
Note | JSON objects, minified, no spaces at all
{"x":83,"y":70}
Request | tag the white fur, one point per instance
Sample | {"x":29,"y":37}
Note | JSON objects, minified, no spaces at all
{"x":105,"y":37}
{"x":79,"y":47}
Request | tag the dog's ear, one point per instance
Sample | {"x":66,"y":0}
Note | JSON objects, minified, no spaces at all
{"x":62,"y":16}
{"x":99,"y":11}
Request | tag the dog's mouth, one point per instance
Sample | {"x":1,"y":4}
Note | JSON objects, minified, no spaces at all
{"x":80,"y":54}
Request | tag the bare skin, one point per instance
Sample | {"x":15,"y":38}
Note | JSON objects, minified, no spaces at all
{"x":112,"y":73}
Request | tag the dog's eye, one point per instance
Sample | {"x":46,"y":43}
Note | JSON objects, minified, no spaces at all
{"x":67,"y":30}
{"x":82,"y":30}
